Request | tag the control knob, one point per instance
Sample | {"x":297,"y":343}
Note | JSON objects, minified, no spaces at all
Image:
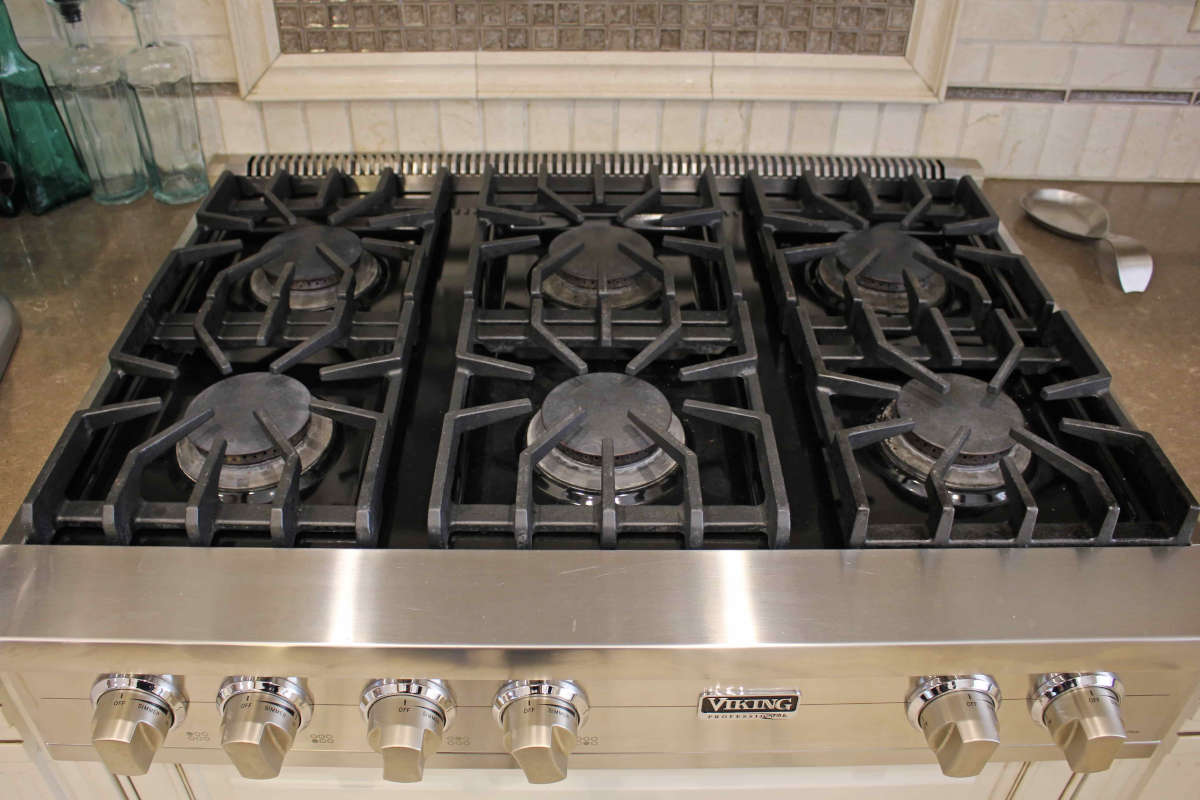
{"x":1082,"y":711}
{"x":405,"y":721}
{"x":260,"y":718}
{"x":131,"y":716}
{"x":540,"y":721}
{"x":957,"y":714}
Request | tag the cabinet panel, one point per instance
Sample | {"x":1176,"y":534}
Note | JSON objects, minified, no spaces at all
{"x":1178,"y":774}
{"x":8,"y":733}
{"x":20,"y":779}
{"x":914,"y":782}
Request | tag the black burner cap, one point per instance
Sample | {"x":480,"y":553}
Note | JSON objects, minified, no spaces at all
{"x":608,"y":397}
{"x":234,"y":401}
{"x":968,"y":403}
{"x":300,"y":245}
{"x":601,"y":253}
{"x":897,"y":253}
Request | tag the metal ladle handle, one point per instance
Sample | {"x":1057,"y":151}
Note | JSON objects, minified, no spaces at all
{"x":1128,"y":259}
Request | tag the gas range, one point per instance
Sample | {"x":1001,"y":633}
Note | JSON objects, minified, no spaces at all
{"x":893,"y":503}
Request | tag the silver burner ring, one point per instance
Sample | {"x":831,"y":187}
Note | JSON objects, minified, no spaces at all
{"x":625,"y":293}
{"x":256,"y":482}
{"x":367,"y":274}
{"x":830,"y":277}
{"x":972,"y":485}
{"x":579,"y":482}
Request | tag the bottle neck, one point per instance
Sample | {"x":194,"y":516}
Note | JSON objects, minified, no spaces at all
{"x":8,"y":37}
{"x":145,"y":24}
{"x":75,"y":32}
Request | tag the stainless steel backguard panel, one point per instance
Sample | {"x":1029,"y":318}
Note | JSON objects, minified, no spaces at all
{"x":644,"y":633}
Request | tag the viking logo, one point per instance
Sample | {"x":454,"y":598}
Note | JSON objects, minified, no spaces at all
{"x":748,"y":706}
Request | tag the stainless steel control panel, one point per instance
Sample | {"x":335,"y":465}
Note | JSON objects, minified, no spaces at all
{"x":696,"y":659}
{"x":628,"y":723}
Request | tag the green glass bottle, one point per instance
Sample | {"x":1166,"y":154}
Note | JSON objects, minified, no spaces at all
{"x":46,"y":161}
{"x":9,"y":181}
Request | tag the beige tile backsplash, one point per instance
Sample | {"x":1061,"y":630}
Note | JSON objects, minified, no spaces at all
{"x":1009,"y":138}
{"x":1085,"y":44}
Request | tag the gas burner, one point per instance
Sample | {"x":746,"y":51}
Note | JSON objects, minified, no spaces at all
{"x":975,"y":478}
{"x":315,"y":281}
{"x":573,"y":468}
{"x":253,"y":463}
{"x":881,"y":283}
{"x":577,"y":283}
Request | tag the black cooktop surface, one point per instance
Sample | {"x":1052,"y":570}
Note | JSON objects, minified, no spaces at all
{"x":545,"y":361}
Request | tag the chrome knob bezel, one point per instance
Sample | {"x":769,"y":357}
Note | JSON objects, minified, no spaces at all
{"x":564,"y":691}
{"x":931,"y":687}
{"x":289,"y":689}
{"x":167,"y":688}
{"x":1052,"y":685}
{"x":434,"y":690}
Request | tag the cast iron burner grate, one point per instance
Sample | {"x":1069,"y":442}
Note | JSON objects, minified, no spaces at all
{"x":982,"y":419}
{"x":904,"y":247}
{"x":226,"y":420}
{"x":691,"y":345}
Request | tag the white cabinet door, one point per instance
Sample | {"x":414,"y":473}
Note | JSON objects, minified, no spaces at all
{"x":8,"y":733}
{"x":77,"y":780}
{"x":162,"y":782}
{"x":1178,"y":774}
{"x":916,"y":782}
{"x":1054,"y":779}
{"x":19,"y":777}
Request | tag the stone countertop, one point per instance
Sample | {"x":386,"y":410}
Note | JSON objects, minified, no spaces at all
{"x":75,"y":274}
{"x":1150,"y":341}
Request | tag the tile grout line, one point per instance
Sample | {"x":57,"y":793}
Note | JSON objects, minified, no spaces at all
{"x":1158,"y":56}
{"x":571,"y":124}
{"x":832,"y":135}
{"x":791,"y":126}
{"x":1079,"y":153}
{"x":437,"y":113}
{"x":962,"y":129}
{"x":658,"y":126}
{"x":878,"y":128}
{"x":1125,"y":23}
{"x":612,"y":136}
{"x":525,"y":125}
{"x":1176,"y":116}
{"x":481,"y":120}
{"x":1192,"y":165}
{"x":262,"y":125}
{"x":1124,"y":142}
{"x":746,"y":109}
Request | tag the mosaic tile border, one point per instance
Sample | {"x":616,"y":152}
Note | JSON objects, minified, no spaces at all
{"x":855,"y":27}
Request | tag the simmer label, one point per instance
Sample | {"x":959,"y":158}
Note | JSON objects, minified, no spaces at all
{"x":748,"y":703}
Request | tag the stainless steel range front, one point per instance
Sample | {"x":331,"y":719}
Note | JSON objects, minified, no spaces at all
{"x":609,"y":461}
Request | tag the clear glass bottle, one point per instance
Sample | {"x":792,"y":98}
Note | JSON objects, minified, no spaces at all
{"x":47,"y":165}
{"x":160,"y":74}
{"x":99,"y":110}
